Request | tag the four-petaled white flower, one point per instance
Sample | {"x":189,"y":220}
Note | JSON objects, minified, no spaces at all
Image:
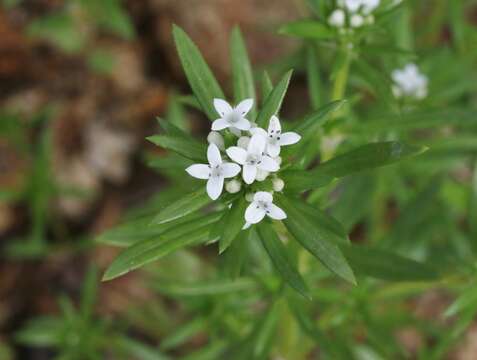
{"x":275,"y":137}
{"x":215,"y":172}
{"x":409,"y":81}
{"x":262,"y":205}
{"x":253,"y":158}
{"x":232,"y":117}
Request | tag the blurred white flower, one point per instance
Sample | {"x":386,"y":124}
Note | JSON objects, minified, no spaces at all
{"x":278,"y":184}
{"x":409,"y":82}
{"x":262,"y":205}
{"x":232,"y":117}
{"x":337,"y":18}
{"x":233,"y":186}
{"x":216,"y":138}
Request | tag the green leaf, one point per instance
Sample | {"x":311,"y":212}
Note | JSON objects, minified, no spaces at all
{"x":207,"y":288}
{"x":473,"y":207}
{"x":312,"y":122}
{"x":381,"y":264}
{"x":266,"y":85}
{"x":41,"y":331}
{"x":234,"y":256}
{"x":281,"y":260}
{"x":150,"y":250}
{"x":314,"y":77}
{"x":266,"y":331}
{"x":274,"y":100}
{"x":139,"y":351}
{"x":190,"y":149}
{"x":232,"y":224}
{"x":244,"y":86}
{"x":301,"y":180}
{"x":317,"y":232}
{"x":467,"y":299}
{"x":201,"y":80}
{"x":182,"y":207}
{"x":182,"y":334}
{"x":308,"y":29}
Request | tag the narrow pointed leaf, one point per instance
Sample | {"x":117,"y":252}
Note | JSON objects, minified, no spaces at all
{"x":201,"y":80}
{"x":310,"y":125}
{"x":319,"y":234}
{"x":280,"y":259}
{"x":266,"y":85}
{"x":274,"y":100}
{"x":244,"y":86}
{"x":182,"y":207}
{"x":233,"y":223}
{"x":188,"y":148}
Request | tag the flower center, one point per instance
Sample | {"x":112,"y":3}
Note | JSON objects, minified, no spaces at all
{"x":233,"y":117}
{"x":215,"y":171}
{"x":264,"y":206}
{"x":254,"y":159}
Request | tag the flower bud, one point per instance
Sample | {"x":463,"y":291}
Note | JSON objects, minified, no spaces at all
{"x":249,"y":197}
{"x":278,"y":184}
{"x":243,"y":142}
{"x":216,"y":138}
{"x":233,"y":186}
{"x":261,"y":175}
{"x":337,"y":18}
{"x":278,"y":159}
{"x":356,"y":20}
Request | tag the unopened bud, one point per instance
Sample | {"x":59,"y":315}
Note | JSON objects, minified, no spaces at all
{"x":261,"y":175}
{"x":243,"y":142}
{"x":337,"y":18}
{"x":278,"y":184}
{"x":249,"y":197}
{"x":278,"y":159}
{"x":214,"y":137}
{"x":233,"y":186}
{"x":356,"y":20}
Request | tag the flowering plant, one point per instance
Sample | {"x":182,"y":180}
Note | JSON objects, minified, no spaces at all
{"x":266,"y":168}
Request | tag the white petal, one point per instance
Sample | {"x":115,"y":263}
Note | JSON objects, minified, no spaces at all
{"x":276,"y":213}
{"x":199,"y":171}
{"x":274,"y":125}
{"x":254,"y":213}
{"x":215,"y":186}
{"x":213,"y":155}
{"x":246,"y":226}
{"x":249,"y":173}
{"x":273,"y":149}
{"x":289,"y":138}
{"x":230,"y":169}
{"x":237,"y":154}
{"x":263,"y":196}
{"x":257,"y":130}
{"x":244,"y":106}
{"x":256,"y":145}
{"x":268,"y":164}
{"x":242,"y":124}
{"x":222,"y":107}
{"x":220,"y":124}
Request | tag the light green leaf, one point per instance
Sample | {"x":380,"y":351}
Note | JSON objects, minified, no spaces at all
{"x":207,"y":288}
{"x":314,"y":77}
{"x":281,"y":260}
{"x":311,"y":123}
{"x":274,"y":100}
{"x":188,"y":148}
{"x":309,"y":29}
{"x":317,"y":232}
{"x":244,"y":86}
{"x":182,"y":207}
{"x":266,"y":85}
{"x":201,"y":80}
{"x":151,"y":250}
{"x":382,"y":264}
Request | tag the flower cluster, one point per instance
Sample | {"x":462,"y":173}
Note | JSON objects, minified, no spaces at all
{"x":256,"y":156}
{"x":409,"y":82}
{"x":353,"y":13}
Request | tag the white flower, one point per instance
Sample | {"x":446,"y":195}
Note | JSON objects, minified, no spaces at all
{"x":216,"y":138}
{"x":233,"y":118}
{"x":356,"y":20}
{"x":253,"y":158}
{"x":353,"y":6}
{"x":409,"y":81}
{"x":278,"y":184}
{"x":233,"y":186}
{"x":215,"y":172}
{"x":337,"y":18}
{"x":262,"y":205}
{"x":275,"y":138}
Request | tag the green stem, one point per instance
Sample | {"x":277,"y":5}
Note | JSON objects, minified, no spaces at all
{"x":341,"y":79}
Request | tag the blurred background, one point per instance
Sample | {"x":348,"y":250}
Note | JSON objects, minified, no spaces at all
{"x":81,"y":82}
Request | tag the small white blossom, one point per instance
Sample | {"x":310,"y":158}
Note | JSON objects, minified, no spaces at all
{"x":233,"y":186}
{"x":410,"y":82}
{"x":216,"y":138}
{"x":353,"y":6}
{"x":253,"y":158}
{"x":275,"y":137}
{"x":232,"y":117}
{"x":278,"y":184}
{"x":243,"y":142}
{"x":262,"y":205}
{"x":337,"y":18}
{"x":356,"y":20}
{"x":215,"y":172}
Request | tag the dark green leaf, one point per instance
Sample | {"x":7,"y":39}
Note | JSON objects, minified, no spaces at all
{"x":188,"y":148}
{"x":274,"y":100}
{"x":207,"y":288}
{"x":280,"y":259}
{"x":182,"y":207}
{"x":232,"y":224}
{"x":244,"y":86}
{"x":314,"y":77}
{"x":201,"y":80}
{"x":318,"y":233}
{"x":312,"y":122}
{"x":266,"y":85}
